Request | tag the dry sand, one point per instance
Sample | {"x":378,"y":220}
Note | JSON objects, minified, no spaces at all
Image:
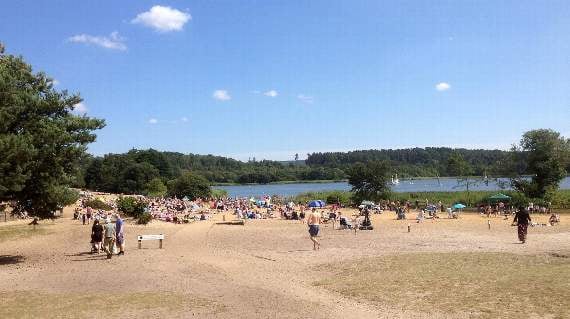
{"x":265,"y":269}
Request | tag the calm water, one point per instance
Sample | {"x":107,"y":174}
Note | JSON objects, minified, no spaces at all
{"x":420,"y":185}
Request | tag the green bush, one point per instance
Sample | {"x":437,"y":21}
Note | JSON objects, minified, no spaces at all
{"x":330,"y":197}
{"x":96,"y":203}
{"x":144,"y":218}
{"x":189,"y":185}
{"x":131,"y":206}
{"x":345,"y":198}
{"x":155,"y":188}
{"x":561,"y":199}
{"x":219,"y":193}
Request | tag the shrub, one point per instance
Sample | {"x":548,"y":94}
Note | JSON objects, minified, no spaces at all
{"x":96,"y":203}
{"x":345,"y":198}
{"x":219,"y":193}
{"x":155,"y":188}
{"x":189,"y":185}
{"x":131,"y":206}
{"x":144,"y":218}
{"x":330,"y":197}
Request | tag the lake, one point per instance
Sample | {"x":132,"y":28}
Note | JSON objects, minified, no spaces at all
{"x":418,"y":185}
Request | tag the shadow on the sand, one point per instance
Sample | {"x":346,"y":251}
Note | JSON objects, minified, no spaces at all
{"x":85,"y":253}
{"x":91,"y":257}
{"x":11,"y":259}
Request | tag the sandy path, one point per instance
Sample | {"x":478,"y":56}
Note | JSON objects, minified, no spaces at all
{"x":263,"y":269}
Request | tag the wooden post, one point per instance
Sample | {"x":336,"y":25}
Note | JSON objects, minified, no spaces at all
{"x":224,"y":217}
{"x":409,"y":228}
{"x":489,"y":224}
{"x":160,"y":244}
{"x":140,"y":244}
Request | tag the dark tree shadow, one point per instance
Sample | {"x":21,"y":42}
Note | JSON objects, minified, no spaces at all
{"x":10,"y":259}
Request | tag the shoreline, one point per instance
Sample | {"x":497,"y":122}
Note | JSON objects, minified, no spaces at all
{"x":325,"y":181}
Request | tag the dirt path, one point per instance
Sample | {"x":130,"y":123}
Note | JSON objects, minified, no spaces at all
{"x":263,"y":269}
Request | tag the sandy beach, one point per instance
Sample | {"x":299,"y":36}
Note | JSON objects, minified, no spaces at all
{"x":265,"y":269}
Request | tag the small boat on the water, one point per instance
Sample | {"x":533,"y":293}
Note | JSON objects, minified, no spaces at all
{"x":395,"y":180}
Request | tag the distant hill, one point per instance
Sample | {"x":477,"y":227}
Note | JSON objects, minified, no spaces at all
{"x":429,"y":161}
{"x":295,"y":163}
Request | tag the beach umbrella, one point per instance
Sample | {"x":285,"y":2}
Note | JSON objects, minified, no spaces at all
{"x":367,"y":203}
{"x":459,"y":206}
{"x":317,"y":203}
{"x":499,"y":197}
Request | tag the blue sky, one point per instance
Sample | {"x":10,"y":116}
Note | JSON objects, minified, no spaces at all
{"x":273,"y":78}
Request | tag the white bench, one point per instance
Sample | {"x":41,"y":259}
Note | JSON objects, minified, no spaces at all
{"x":160,"y":238}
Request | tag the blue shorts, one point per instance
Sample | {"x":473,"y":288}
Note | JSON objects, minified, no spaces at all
{"x":313,"y":230}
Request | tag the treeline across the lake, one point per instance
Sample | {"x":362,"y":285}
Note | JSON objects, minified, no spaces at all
{"x":132,"y":172}
{"x":421,"y":162}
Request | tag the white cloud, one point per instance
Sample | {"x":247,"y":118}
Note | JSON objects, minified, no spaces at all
{"x":184,"y":119}
{"x":305,"y":98}
{"x":271,"y":93}
{"x":152,"y":121}
{"x":113,"y":42}
{"x":163,"y":19}
{"x":442,"y":86}
{"x":221,"y":95}
{"x":80,"y":108}
{"x":54,"y":82}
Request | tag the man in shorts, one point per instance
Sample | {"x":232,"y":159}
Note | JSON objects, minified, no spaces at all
{"x":314,"y":220}
{"x":109,"y":242}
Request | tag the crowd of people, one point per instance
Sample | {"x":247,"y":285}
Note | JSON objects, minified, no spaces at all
{"x":176,"y":210}
{"x":107,"y":232}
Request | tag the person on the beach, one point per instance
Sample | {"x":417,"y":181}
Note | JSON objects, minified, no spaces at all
{"x":522,"y":218}
{"x":314,"y":220}
{"x":97,"y":235}
{"x":120,"y":235}
{"x":554,"y":219}
{"x":88,"y":215}
{"x":109,"y":242}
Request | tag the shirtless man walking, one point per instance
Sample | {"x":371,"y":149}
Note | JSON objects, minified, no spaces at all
{"x":314,"y":220}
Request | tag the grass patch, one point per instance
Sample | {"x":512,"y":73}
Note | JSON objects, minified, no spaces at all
{"x":9,"y":232}
{"x":485,"y":285}
{"x":23,"y":304}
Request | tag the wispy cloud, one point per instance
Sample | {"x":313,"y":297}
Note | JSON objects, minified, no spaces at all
{"x":152,"y":121}
{"x":271,"y":93}
{"x":80,"y":108}
{"x":305,"y":98}
{"x":54,"y":82}
{"x":163,"y":19}
{"x":221,"y":95}
{"x":442,"y":86}
{"x":113,"y":42}
{"x":184,"y":119}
